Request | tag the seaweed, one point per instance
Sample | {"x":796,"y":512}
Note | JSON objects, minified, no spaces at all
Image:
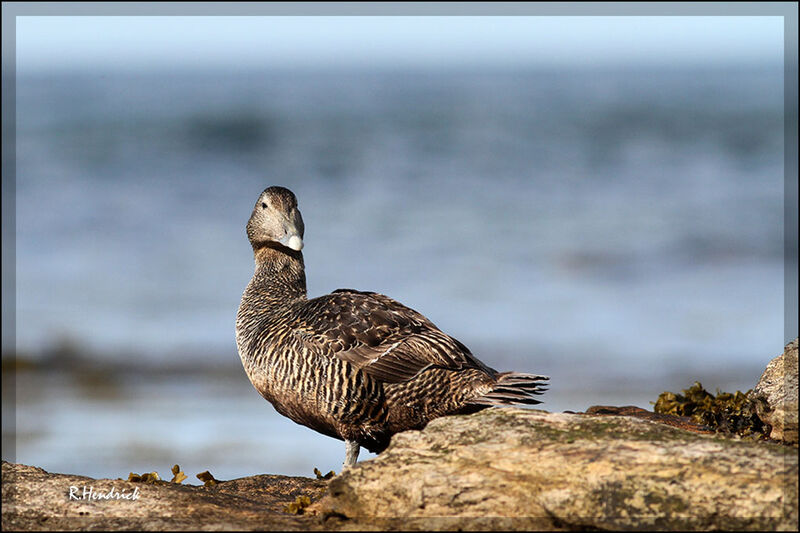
{"x":152,"y":477}
{"x":298,"y":506}
{"x":207,"y":479}
{"x":326,"y":476}
{"x":147,"y":477}
{"x":725,"y":412}
{"x":177,"y":475}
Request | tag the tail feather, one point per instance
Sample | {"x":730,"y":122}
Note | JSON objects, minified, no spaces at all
{"x":513,"y":388}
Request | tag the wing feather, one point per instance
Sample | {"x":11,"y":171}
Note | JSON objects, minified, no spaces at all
{"x":389,"y":341}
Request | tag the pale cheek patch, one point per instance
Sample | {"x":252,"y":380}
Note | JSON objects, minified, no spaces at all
{"x":295,"y":243}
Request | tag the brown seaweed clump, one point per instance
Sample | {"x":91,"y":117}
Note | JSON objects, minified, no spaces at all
{"x":208,"y":479}
{"x":147,"y":477}
{"x":298,"y":506}
{"x":319,"y":474}
{"x":153,"y":477}
{"x":177,"y":475}
{"x":724,"y":412}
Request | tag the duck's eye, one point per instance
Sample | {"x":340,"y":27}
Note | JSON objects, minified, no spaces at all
{"x":263,"y":205}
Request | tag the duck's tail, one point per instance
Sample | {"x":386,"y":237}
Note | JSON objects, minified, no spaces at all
{"x":513,"y":388}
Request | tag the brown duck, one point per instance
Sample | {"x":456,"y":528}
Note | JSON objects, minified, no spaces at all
{"x":356,"y":366}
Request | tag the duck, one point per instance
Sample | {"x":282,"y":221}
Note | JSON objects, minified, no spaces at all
{"x":354,"y":365}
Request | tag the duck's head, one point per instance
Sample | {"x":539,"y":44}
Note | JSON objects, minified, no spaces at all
{"x":276,"y":219}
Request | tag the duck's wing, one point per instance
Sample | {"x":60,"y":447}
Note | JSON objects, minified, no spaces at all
{"x":389,"y":341}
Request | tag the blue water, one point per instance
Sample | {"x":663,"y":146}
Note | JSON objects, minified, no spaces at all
{"x":620,"y":231}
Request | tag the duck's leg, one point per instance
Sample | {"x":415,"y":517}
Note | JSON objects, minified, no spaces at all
{"x":351,"y":449}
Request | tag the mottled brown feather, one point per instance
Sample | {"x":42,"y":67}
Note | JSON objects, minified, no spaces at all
{"x":387,"y":340}
{"x":353,"y":365}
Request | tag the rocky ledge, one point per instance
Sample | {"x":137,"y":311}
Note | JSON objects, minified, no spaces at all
{"x":522,"y":469}
{"x":35,"y":500}
{"x":499,"y":469}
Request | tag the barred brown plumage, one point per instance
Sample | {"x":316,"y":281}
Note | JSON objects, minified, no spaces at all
{"x":356,"y":366}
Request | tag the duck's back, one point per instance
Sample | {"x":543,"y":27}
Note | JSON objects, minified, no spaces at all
{"x":421,"y":372}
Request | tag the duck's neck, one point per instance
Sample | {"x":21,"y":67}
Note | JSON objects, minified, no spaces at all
{"x":280,"y":274}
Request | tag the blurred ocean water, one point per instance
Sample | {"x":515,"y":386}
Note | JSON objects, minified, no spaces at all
{"x":620,"y":231}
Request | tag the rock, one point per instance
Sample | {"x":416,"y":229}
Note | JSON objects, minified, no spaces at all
{"x":683,"y":422}
{"x":37,"y":500}
{"x":499,"y":469}
{"x":775,"y":396}
{"x":495,"y":470}
{"x":527,"y":469}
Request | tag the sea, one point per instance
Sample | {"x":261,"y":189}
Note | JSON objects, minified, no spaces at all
{"x":619,"y":230}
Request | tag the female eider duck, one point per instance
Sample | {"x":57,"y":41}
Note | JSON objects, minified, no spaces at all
{"x":356,"y":366}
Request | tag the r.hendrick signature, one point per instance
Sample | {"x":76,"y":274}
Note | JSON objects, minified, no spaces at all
{"x":89,"y":493}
